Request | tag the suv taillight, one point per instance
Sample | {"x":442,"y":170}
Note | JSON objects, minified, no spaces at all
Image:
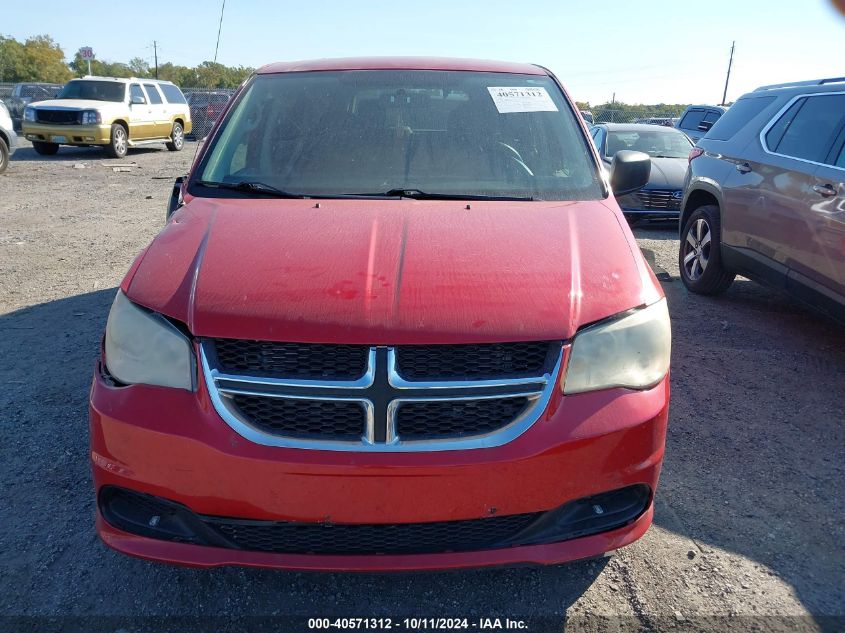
{"x":695,"y":152}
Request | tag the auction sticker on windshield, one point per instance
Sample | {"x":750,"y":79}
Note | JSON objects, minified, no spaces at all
{"x":529,"y":99}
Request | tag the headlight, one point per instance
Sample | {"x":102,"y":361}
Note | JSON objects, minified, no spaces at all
{"x":143,"y":347}
{"x":29,"y":114}
{"x":630,"y":351}
{"x":90,"y":117}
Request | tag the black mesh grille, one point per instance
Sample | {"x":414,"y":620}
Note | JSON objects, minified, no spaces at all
{"x":496,"y":360}
{"x":57,"y":116}
{"x":139,"y":513}
{"x":314,"y":419}
{"x":456,"y":418}
{"x":400,"y":538}
{"x":292,"y":360}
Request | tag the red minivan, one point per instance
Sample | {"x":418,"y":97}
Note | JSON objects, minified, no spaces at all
{"x":396,"y":320}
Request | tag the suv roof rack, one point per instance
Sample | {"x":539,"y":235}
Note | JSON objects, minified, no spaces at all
{"x":811,"y":82}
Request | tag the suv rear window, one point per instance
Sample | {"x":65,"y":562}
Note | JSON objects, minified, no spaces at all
{"x":737,"y":116}
{"x":172,"y":93}
{"x":439,"y":132}
{"x":807,"y":129}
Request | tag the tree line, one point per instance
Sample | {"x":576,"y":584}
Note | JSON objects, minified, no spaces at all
{"x":39,"y":58}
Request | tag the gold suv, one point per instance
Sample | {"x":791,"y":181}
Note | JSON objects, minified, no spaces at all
{"x":115,"y":113}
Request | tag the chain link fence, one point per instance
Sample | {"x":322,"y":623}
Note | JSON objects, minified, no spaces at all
{"x":206,"y":104}
{"x":656,"y":117}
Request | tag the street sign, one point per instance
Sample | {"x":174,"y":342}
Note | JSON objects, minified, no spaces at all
{"x":86,"y":53}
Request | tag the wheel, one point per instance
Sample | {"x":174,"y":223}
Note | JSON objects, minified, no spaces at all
{"x":4,"y":155}
{"x":700,"y":257}
{"x":119,"y":142}
{"x":45,"y":149}
{"x":177,"y":138}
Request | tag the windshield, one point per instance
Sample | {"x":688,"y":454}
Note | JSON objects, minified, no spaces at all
{"x":657,"y":144}
{"x":369,"y":132}
{"x":94,"y":90}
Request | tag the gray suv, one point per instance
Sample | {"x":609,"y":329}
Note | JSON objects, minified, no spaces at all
{"x":764,"y":195}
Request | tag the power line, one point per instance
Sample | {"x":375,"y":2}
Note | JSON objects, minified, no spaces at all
{"x":219,"y":28}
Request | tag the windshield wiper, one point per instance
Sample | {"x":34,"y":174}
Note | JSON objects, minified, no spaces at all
{"x":255,"y":187}
{"x":416,"y":194}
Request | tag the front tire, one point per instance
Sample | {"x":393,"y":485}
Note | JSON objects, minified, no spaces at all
{"x":119,"y":143}
{"x":177,"y":138}
{"x":700,"y":256}
{"x":4,"y":155}
{"x":45,"y":149}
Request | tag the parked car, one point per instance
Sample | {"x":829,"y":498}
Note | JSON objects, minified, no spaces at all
{"x":206,"y":108}
{"x":765,"y":192}
{"x":25,"y":93}
{"x":656,"y":120}
{"x":587,"y":116}
{"x":8,"y":138}
{"x":697,"y":119}
{"x":113,"y":113}
{"x":668,"y":148}
{"x":395,"y":320}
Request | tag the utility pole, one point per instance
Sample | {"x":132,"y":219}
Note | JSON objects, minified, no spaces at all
{"x":728,"y":78}
{"x":219,"y":28}
{"x":155,"y":53}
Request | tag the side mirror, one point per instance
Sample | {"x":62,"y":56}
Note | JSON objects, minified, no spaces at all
{"x":705,"y":126}
{"x":175,"y":201}
{"x":629,"y":171}
{"x":138,"y":100}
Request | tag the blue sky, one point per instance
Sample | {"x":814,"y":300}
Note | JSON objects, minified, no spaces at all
{"x":646,"y":51}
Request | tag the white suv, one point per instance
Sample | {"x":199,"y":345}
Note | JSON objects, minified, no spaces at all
{"x":115,"y":113}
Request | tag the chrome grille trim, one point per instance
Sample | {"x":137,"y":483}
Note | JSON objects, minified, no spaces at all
{"x":360,"y":383}
{"x":537,"y":390}
{"x":658,"y":199}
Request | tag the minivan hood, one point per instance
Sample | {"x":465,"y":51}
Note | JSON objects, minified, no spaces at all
{"x":391,"y":271}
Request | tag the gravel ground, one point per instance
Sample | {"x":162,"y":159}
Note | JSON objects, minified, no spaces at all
{"x":749,"y":518}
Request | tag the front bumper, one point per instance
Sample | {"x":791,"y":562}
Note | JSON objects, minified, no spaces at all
{"x":172,"y":444}
{"x":67,"y":134}
{"x":650,"y":214}
{"x":13,"y":140}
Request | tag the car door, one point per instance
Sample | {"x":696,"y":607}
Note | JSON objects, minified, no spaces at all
{"x":827,"y":213}
{"x":139,"y":113}
{"x":770,"y":196}
{"x":160,"y":124}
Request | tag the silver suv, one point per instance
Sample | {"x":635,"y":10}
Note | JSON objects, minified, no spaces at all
{"x":764,"y":195}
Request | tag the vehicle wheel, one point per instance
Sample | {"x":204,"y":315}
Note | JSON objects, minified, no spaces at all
{"x":4,"y":156}
{"x":177,"y":138}
{"x":700,"y":257}
{"x":45,"y":149}
{"x":119,"y":143}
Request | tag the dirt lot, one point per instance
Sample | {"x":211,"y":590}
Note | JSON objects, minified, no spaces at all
{"x":750,"y":513}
